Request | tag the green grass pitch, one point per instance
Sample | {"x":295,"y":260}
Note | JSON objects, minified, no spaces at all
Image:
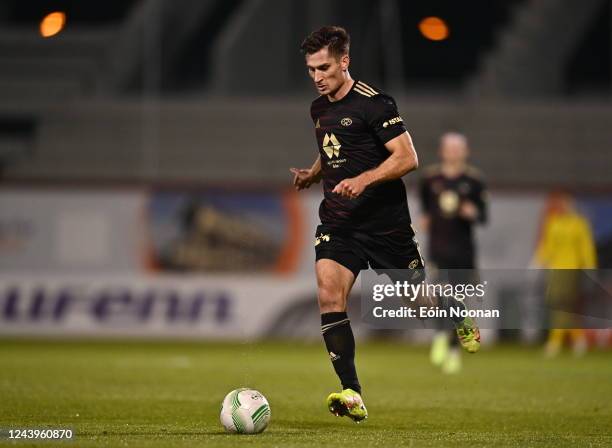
{"x":143,"y":394}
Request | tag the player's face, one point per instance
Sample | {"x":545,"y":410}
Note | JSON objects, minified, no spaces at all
{"x":453,"y":151}
{"x":327,"y":71}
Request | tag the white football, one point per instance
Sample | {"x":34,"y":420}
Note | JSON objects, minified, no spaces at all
{"x":245,"y":411}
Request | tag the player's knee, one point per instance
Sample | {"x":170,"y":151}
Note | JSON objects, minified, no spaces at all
{"x":331,"y":298}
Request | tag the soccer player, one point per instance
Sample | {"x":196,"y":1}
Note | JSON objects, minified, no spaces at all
{"x":364,"y":150}
{"x":566,"y":247}
{"x":453,"y":199}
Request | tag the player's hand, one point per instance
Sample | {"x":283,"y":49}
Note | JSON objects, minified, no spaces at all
{"x":468,"y":211}
{"x":303,"y":178}
{"x":351,"y":188}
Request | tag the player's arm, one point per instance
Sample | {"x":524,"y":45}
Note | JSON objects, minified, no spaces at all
{"x":544,"y":247}
{"x":305,"y":177}
{"x":424,"y":196}
{"x":475,"y":209}
{"x":587,"y":246}
{"x":384,"y":120}
{"x":402,"y":160}
{"x":482,"y":199}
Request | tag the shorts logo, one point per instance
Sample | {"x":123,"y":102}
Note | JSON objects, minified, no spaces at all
{"x":346,"y":121}
{"x":322,"y":238}
{"x":331,"y":145}
{"x":333,"y":356}
{"x":392,"y":121}
{"x":413,"y":264}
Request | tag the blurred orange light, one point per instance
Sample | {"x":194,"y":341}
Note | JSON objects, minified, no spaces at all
{"x":52,"y":24}
{"x":434,"y":28}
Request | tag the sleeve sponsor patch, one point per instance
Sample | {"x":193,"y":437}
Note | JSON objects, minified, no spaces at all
{"x":392,"y":121}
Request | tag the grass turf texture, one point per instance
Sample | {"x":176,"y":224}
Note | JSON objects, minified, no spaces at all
{"x":168,"y":395}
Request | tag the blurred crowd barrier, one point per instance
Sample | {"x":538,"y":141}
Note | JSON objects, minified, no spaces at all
{"x":203,"y":262}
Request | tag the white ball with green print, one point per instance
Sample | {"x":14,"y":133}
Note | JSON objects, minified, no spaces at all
{"x":245,"y":411}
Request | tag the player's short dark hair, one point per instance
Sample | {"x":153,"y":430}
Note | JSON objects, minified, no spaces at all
{"x":335,"y":38}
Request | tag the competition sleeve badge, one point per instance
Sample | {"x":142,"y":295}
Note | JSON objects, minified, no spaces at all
{"x":392,"y":121}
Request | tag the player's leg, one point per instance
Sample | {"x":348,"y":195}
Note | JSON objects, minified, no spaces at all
{"x":401,"y":251}
{"x":452,"y":362}
{"x":554,"y":342}
{"x":338,"y":264}
{"x":334,"y":282}
{"x":439,"y":345}
{"x":443,"y":337}
{"x":461,"y":271}
{"x":467,"y":332}
{"x":579,"y":341}
{"x":445,"y":351}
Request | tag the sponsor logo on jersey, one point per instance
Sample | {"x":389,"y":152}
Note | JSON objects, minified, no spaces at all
{"x":346,"y":121}
{"x":392,"y":121}
{"x":331,"y":145}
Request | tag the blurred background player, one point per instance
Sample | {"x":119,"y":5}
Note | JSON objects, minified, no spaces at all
{"x":453,"y":199}
{"x":565,"y":247}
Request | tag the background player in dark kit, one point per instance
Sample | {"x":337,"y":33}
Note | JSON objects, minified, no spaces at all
{"x":453,"y":198}
{"x":364,"y":150}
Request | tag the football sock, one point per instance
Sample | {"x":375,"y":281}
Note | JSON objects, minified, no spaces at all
{"x":447,"y":303}
{"x":556,"y":336}
{"x":340,"y":343}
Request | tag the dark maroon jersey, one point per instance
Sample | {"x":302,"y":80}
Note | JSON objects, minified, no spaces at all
{"x":451,"y":239}
{"x":351,"y":134}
